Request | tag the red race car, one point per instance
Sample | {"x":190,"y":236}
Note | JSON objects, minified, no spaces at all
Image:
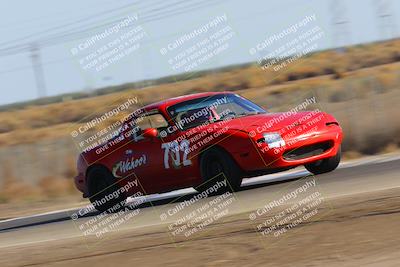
{"x":209,"y":141}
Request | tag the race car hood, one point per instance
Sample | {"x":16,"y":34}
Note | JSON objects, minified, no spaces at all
{"x":270,"y":122}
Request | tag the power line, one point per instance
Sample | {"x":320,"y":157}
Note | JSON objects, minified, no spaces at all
{"x":19,"y":22}
{"x":68,"y":24}
{"x":149,"y":18}
{"x":25,"y":67}
{"x":71,"y":58}
{"x":74,"y":35}
{"x":154,"y":14}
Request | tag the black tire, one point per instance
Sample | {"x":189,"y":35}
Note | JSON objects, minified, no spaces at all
{"x":216,"y":165}
{"x":325,"y":165}
{"x":102,"y":183}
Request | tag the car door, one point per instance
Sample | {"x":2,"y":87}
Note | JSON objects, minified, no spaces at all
{"x":140,"y":157}
{"x":151,"y":175}
{"x":180,"y":161}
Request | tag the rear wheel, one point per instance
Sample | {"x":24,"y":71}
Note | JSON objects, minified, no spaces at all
{"x":325,"y":165}
{"x":104,"y":190}
{"x":218,"y":169}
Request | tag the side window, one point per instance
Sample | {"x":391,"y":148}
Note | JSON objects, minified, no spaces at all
{"x":155,"y":120}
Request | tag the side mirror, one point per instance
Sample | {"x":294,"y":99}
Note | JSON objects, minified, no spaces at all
{"x":150,"y":133}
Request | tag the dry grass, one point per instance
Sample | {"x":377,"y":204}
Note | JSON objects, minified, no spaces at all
{"x":13,"y":189}
{"x":56,"y":121}
{"x":336,"y":65}
{"x":360,"y":88}
{"x":52,"y":186}
{"x":49,"y":187}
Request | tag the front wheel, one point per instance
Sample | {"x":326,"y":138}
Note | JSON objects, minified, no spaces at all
{"x":324,"y":165}
{"x":219,"y":171}
{"x":104,"y":191}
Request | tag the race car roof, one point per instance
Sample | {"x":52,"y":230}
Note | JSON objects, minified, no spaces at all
{"x":175,"y":100}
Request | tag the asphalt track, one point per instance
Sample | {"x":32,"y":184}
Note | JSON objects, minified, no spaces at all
{"x":366,"y":175}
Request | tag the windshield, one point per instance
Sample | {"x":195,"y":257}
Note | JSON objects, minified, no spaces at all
{"x":214,"y":108}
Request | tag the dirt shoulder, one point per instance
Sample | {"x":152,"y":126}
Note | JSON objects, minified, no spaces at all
{"x":29,"y":208}
{"x":359,"y":230}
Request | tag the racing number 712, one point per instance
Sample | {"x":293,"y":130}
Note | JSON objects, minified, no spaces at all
{"x":174,"y":148}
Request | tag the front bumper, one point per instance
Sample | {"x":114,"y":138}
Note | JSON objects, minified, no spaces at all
{"x":297,"y":151}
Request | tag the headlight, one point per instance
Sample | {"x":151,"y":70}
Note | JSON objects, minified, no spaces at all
{"x":274,"y":140}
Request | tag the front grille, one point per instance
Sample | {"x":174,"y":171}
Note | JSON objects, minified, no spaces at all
{"x":307,"y":151}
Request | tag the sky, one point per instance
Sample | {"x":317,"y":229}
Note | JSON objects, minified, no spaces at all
{"x":160,"y":38}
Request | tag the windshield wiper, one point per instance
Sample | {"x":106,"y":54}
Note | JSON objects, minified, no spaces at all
{"x":238,"y":116}
{"x":249,"y":113}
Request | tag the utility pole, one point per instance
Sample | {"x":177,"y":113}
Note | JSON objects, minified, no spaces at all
{"x":340,"y":23}
{"x":38,"y":71}
{"x":385,"y":17}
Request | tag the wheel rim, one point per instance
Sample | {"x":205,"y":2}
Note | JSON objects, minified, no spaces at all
{"x":214,"y":168}
{"x":99,"y":184}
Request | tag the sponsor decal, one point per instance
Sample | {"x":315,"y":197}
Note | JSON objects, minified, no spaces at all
{"x":130,"y":163}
